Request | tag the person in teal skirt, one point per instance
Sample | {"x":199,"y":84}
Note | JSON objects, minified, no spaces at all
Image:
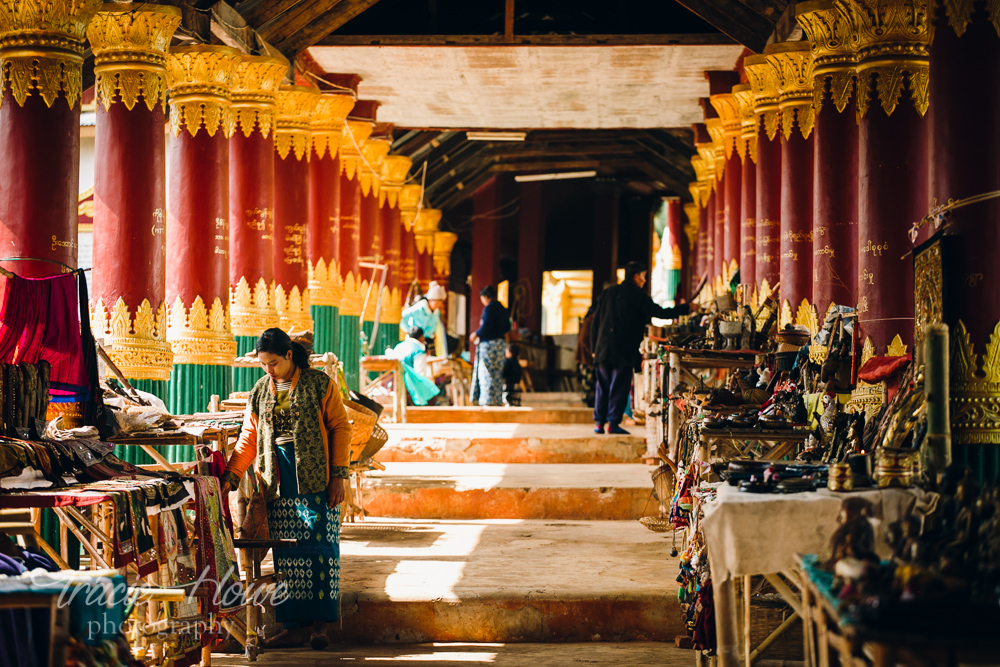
{"x":412,"y":351}
{"x":297,"y":436}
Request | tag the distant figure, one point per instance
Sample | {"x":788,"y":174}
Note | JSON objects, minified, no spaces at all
{"x":620,"y":318}
{"x":487,"y":378}
{"x":426,"y":314}
{"x":412,"y":351}
{"x":512,"y":377}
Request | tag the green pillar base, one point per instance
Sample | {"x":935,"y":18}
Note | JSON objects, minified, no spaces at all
{"x":388,"y":335}
{"x":191,"y":388}
{"x":326,"y":328}
{"x":349,"y":350}
{"x":245,"y":378}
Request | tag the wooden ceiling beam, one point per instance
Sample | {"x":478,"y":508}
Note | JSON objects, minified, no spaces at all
{"x":323,"y":20}
{"x":522,"y":40}
{"x":734,"y":19}
{"x":458,"y":190}
{"x":544,"y":167}
{"x":654,"y":173}
{"x":413,"y":142}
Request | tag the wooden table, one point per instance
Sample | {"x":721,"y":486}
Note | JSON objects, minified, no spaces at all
{"x":829,"y":642}
{"x":684,"y":361}
{"x":778,"y":443}
{"x":387,"y":369}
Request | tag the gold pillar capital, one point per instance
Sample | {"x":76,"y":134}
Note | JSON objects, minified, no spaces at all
{"x":200,"y":334}
{"x":374,"y":152}
{"x":394,"y":171}
{"x":130,"y":43}
{"x":443,"y":244}
{"x":410,"y":196}
{"x":355,"y":134}
{"x":134,"y":337}
{"x":254,"y":85}
{"x":894,"y":39}
{"x":198,"y":79}
{"x":327,"y":123}
{"x":424,"y":229}
{"x":835,"y":49}
{"x":42,"y":46}
{"x":251,"y":307}
{"x":729,"y":112}
{"x":764,"y":83}
{"x":793,"y":67}
{"x":747,"y":142}
{"x":291,"y":129}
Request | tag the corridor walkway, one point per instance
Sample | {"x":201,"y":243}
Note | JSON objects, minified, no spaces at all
{"x":504,"y":544}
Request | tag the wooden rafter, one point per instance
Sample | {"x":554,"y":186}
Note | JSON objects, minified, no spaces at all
{"x":523,"y":40}
{"x":323,"y":18}
{"x":734,"y":19}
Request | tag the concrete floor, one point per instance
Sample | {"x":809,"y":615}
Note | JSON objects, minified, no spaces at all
{"x":498,"y":654}
{"x":465,"y":476}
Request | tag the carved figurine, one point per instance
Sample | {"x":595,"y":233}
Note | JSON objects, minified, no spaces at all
{"x":855,"y":536}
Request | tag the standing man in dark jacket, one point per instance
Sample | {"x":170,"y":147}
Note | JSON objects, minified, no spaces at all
{"x":620,"y":319}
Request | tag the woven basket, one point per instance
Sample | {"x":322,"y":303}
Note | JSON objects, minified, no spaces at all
{"x":374,"y":444}
{"x":362,"y":420}
{"x":663,"y":484}
{"x":657,"y":524}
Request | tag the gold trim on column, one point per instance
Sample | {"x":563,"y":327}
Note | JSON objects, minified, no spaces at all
{"x":130,"y":43}
{"x":728,"y":109}
{"x":327,"y":123}
{"x":355,"y":134}
{"x":353,"y":297}
{"x":793,"y":65}
{"x":42,"y":46}
{"x":394,"y":171}
{"x":764,"y":83}
{"x":425,"y":228}
{"x":835,"y":50}
{"x":293,"y":309}
{"x":806,"y":316}
{"x":392,"y":307}
{"x":893,"y":46}
{"x":326,"y":288}
{"x":291,"y":130}
{"x":250,"y":312}
{"x":254,"y":84}
{"x":375,"y":151}
{"x":975,"y":389}
{"x":136,"y":343}
{"x":198,"y":79}
{"x":443,"y":244}
{"x":747,"y":141}
{"x":409,"y":202}
{"x":200,"y":335}
{"x":718,"y":134}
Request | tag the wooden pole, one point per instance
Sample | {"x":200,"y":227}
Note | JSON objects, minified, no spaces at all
{"x":508,"y":21}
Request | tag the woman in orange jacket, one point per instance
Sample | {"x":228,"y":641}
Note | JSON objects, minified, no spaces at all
{"x":297,"y":436}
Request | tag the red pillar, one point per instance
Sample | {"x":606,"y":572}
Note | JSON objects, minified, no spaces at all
{"x":763,"y":81}
{"x":747,"y":148}
{"x":530,"y":256}
{"x":835,"y":159}
{"x":391,"y":233}
{"x":197,"y":283}
{"x":127,"y":301}
{"x":965,"y":140}
{"x":251,"y":200}
{"x":672,"y":206}
{"x":409,"y":201}
{"x":485,"y":245}
{"x":605,"y":248}
{"x":40,"y":133}
{"x":291,"y":206}
{"x":792,"y":63}
{"x":325,"y":285}
{"x":732,"y":213}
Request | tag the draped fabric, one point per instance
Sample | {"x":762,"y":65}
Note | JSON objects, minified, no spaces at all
{"x":40,"y":321}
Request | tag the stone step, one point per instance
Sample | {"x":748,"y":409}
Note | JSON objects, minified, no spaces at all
{"x":508,"y":581}
{"x":551,"y":399}
{"x":499,"y":415}
{"x":509,"y":443}
{"x":553,"y":491}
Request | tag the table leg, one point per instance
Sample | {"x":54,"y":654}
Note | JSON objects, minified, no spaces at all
{"x":726,"y":626}
{"x":746,"y":620}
